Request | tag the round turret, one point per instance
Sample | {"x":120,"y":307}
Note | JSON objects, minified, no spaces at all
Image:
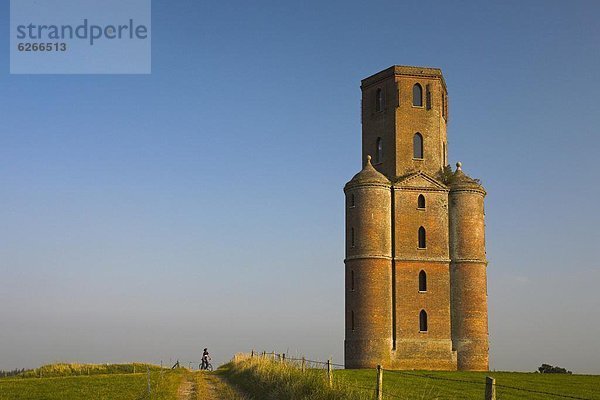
{"x":468,"y":272}
{"x":368,"y":268}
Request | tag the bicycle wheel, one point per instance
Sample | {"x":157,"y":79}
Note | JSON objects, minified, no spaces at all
{"x":209,"y":367}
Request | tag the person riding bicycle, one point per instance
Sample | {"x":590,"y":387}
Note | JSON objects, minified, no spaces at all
{"x":205,"y":359}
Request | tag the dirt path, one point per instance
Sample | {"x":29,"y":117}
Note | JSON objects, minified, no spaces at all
{"x":206,"y":386}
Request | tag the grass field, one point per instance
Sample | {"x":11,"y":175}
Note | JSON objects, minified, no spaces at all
{"x":274,"y":380}
{"x":109,"y":386}
{"x":471,"y":385}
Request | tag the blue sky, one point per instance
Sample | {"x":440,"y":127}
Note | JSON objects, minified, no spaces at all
{"x":146,"y":217}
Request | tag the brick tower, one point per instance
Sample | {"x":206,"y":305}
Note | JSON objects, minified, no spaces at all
{"x":416,"y":290}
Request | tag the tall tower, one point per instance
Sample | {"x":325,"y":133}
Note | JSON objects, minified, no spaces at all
{"x":416,"y":294}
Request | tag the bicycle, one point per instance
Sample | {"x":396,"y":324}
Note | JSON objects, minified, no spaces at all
{"x":208,"y":367}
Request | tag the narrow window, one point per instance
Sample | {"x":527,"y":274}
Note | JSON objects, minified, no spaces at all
{"x":421,"y":201}
{"x":422,"y":241}
{"x":443,"y":105}
{"x":352,"y":280}
{"x":379,"y":151}
{"x":423,"y":321}
{"x":351,"y":237}
{"x":444,"y":155}
{"x":352,"y":319}
{"x":422,"y":281}
{"x":428,"y":98}
{"x":352,"y":200}
{"x":379,"y":100}
{"x":418,"y":146}
{"x":417,"y":95}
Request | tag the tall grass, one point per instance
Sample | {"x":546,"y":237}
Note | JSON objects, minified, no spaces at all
{"x":74,"y":369}
{"x":263,"y":378}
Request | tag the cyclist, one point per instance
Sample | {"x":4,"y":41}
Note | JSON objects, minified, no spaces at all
{"x":205,"y":359}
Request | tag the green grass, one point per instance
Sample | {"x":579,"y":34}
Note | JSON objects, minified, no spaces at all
{"x":267,"y":379}
{"x":471,"y":385}
{"x":111,"y":386}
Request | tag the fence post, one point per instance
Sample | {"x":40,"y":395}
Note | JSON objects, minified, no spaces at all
{"x":490,"y":388}
{"x":329,"y":373}
{"x":303,"y":364}
{"x":273,"y":356}
{"x":379,"y":383}
{"x":252,"y":354}
{"x":133,"y":369}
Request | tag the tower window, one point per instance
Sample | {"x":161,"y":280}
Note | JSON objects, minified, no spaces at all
{"x":422,"y":281}
{"x":443,"y":105}
{"x":421,"y":202}
{"x":379,"y":100}
{"x":379,"y":151}
{"x":352,"y":280}
{"x":444,"y":155}
{"x":417,"y":95}
{"x":352,"y":320}
{"x":418,"y":146}
{"x":352,"y":237}
{"x":428,"y":98}
{"x":423,"y":321}
{"x":422,"y":238}
{"x":352,"y":203}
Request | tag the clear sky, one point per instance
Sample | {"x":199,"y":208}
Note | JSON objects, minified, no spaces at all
{"x":146,"y":217}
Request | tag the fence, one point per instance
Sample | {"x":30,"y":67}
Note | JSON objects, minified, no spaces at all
{"x":488,"y":387}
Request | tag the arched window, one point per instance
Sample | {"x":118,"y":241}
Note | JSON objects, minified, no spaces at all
{"x":352,"y":319}
{"x":418,"y":146}
{"x":379,"y":151}
{"x":422,"y":281}
{"x":351,"y":237}
{"x":422,"y":239}
{"x":423,"y":321}
{"x":379,"y":100}
{"x":421,"y":201}
{"x":417,"y":95}
{"x":352,"y":203}
{"x":352,"y":280}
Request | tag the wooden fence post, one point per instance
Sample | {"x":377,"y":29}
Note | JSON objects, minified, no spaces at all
{"x":329,"y":373}
{"x":283,"y":358}
{"x":303,"y":364}
{"x":379,"y":383}
{"x":490,"y":388}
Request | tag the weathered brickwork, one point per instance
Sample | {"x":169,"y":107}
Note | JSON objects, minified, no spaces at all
{"x":416,"y":290}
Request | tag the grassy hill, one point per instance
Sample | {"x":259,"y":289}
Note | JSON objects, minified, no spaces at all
{"x":265,"y":378}
{"x":99,"y":382}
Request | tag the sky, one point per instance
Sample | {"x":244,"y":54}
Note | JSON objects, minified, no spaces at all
{"x":145,"y":217}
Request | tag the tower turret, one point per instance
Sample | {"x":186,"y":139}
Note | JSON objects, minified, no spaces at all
{"x":368,"y":269}
{"x":468,"y":276}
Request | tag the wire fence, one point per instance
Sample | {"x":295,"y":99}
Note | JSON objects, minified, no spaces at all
{"x":488,"y":387}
